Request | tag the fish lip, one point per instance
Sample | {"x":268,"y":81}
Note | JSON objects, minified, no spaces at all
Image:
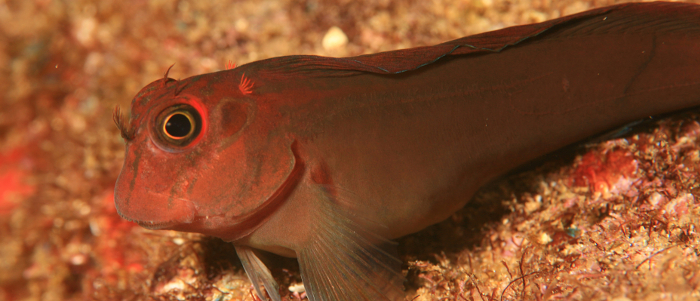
{"x":186,"y":214}
{"x":151,"y":225}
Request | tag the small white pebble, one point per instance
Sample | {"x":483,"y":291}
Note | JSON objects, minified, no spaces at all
{"x":656,"y":198}
{"x":297,"y":288}
{"x":241,"y":25}
{"x":94,"y":228}
{"x":78,"y":259}
{"x":334,"y":38}
{"x":544,"y":238}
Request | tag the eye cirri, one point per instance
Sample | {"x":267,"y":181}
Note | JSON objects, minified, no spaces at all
{"x":178,"y":126}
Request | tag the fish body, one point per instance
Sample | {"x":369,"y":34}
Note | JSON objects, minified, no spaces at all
{"x":328,"y":159}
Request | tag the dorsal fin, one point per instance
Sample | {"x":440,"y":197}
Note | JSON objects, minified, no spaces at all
{"x":632,"y":18}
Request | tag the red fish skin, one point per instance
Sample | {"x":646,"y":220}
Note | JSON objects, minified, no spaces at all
{"x":313,"y":152}
{"x":529,"y":112}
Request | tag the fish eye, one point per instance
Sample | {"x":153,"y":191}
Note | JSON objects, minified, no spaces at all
{"x":179,"y":125}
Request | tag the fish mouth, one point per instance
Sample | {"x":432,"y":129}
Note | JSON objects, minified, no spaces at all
{"x":178,"y":212}
{"x":152,"y":225}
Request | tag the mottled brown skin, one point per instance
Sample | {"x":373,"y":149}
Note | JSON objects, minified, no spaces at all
{"x":324,"y":158}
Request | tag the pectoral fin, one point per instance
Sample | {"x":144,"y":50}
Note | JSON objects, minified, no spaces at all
{"x":258,"y":273}
{"x":346,"y":262}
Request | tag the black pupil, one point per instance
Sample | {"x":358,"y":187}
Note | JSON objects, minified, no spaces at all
{"x":178,"y":126}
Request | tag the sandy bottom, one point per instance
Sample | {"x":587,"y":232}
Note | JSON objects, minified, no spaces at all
{"x":612,"y":221}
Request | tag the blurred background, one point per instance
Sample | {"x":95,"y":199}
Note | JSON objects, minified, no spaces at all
{"x":64,"y":66}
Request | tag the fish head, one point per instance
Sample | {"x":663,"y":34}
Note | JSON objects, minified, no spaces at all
{"x":202,"y":156}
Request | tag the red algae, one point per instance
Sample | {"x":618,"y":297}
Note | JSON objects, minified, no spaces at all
{"x":603,"y":173}
{"x":13,"y":180}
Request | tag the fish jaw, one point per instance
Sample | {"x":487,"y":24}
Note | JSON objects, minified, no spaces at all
{"x":182,"y":214}
{"x":151,"y":210}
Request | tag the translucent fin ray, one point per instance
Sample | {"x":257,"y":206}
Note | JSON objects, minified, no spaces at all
{"x":258,"y":273}
{"x":346,"y":262}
